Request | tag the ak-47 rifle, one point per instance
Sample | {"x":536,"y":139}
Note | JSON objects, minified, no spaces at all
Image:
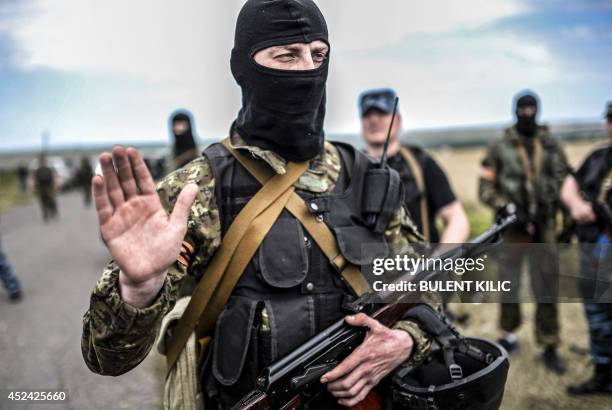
{"x":590,"y":231}
{"x":293,"y":381}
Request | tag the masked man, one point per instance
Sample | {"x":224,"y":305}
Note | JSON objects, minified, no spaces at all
{"x":527,"y":168}
{"x":185,"y":148}
{"x":289,"y":290}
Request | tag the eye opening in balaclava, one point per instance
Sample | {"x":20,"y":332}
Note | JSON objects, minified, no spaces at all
{"x":257,"y":48}
{"x":282,"y":110}
{"x":526,"y":125}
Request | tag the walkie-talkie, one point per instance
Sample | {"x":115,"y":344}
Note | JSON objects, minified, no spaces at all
{"x":370,"y":217}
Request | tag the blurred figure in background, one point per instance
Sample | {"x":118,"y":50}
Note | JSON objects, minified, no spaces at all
{"x":587,"y":195}
{"x":22,"y":177}
{"x":527,"y":167}
{"x":84,"y":175}
{"x":428,"y":193}
{"x":44,"y":180}
{"x":8,"y":278}
{"x":185,"y":147}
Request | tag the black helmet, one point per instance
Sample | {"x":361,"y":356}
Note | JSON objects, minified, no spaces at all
{"x":459,"y":373}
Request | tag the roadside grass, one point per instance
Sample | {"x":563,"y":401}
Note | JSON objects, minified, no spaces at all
{"x":530,"y":385}
{"x":10,"y":195}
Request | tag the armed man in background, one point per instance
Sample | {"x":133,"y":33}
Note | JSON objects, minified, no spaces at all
{"x":527,"y":167}
{"x":45,"y":183}
{"x":185,"y":147}
{"x":427,"y":191}
{"x":587,"y":194}
{"x":290,"y":289}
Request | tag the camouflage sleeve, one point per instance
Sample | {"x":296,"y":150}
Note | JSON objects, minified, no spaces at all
{"x":562,"y":166}
{"x":422,"y":342}
{"x":402,"y":234}
{"x":488,"y":192}
{"x":116,"y":336}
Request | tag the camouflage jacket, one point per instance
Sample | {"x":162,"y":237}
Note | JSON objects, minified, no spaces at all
{"x":504,"y":178}
{"x":117,"y":336}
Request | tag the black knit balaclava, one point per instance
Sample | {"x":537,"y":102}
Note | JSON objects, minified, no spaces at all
{"x":526,"y":125}
{"x":184,"y":141}
{"x":282,"y":110}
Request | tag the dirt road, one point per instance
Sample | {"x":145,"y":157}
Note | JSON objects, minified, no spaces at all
{"x":58,"y":265}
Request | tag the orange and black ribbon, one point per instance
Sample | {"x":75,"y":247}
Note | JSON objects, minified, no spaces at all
{"x":184,"y":257}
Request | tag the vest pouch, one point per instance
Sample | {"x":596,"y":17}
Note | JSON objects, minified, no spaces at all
{"x":282,"y":256}
{"x":232,"y":339}
{"x":351,"y":240}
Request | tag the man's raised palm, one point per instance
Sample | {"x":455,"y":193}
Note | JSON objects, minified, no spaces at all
{"x":142,"y":239}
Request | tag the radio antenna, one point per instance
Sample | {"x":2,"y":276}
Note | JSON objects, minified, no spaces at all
{"x":383,"y":159}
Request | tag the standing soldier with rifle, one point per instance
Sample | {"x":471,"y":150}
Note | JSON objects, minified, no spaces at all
{"x":527,"y":167}
{"x":275,"y":264}
{"x":587,"y":194}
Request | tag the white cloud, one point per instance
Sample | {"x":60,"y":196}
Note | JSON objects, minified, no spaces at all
{"x":455,"y":82}
{"x":180,"y":51}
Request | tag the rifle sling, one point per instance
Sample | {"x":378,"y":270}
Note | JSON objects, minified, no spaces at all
{"x":417,"y":172}
{"x":531,"y":170}
{"x":238,"y":247}
{"x":604,"y":188}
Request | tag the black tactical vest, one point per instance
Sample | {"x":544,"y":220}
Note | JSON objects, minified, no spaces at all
{"x":300,"y":289}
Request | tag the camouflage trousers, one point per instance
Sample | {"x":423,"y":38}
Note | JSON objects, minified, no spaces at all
{"x":543,"y":276}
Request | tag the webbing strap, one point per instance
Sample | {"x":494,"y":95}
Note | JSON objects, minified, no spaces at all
{"x":417,"y":171}
{"x":532,"y":174}
{"x":241,"y":240}
{"x":604,"y":188}
{"x":317,"y":228}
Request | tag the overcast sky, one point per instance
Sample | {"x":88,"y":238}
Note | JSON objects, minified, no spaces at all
{"x":111,"y":71}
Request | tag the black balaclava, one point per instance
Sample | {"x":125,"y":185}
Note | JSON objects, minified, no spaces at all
{"x":526,"y":125}
{"x":282,"y":110}
{"x":185,"y":141}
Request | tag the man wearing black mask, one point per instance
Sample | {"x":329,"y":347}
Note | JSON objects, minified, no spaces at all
{"x":527,"y":167}
{"x":185,"y":148}
{"x":526,"y":111}
{"x":289,"y":290}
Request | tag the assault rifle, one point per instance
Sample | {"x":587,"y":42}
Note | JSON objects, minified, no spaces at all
{"x":293,"y":381}
{"x":590,"y":231}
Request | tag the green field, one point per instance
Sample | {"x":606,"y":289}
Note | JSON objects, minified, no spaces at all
{"x":9,"y":192}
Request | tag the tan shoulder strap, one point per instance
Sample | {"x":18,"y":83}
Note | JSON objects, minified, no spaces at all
{"x":316,"y":227}
{"x":238,"y":246}
{"x":417,"y":171}
{"x":531,"y":173}
{"x":604,"y":188}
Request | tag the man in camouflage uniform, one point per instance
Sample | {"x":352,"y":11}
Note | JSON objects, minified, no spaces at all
{"x":526,"y":167}
{"x":585,"y":193}
{"x":289,"y":291}
{"x":44,"y":179}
